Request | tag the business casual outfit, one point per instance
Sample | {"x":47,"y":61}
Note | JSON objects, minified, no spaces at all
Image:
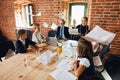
{"x":22,"y":45}
{"x":86,"y":59}
{"x":83,"y":30}
{"x":37,"y":37}
{"x":62,"y":32}
{"x":89,"y":72}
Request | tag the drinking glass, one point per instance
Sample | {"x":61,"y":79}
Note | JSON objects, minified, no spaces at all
{"x":59,"y":49}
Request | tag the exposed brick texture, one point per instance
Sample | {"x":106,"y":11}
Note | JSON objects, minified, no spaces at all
{"x":7,"y":19}
{"x":100,"y":12}
{"x":106,"y":13}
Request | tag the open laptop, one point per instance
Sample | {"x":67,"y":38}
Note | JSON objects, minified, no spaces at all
{"x":52,"y":41}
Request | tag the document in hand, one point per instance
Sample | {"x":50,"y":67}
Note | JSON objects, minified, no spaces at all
{"x":62,"y":75}
{"x":99,"y":35}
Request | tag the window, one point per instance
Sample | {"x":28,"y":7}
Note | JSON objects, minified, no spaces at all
{"x":22,"y":17}
{"x":77,"y":11}
{"x":28,"y":18}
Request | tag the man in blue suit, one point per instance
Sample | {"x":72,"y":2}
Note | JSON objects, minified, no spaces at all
{"x":62,"y":31}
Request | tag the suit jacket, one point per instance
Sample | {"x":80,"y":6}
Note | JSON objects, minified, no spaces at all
{"x":83,"y":29}
{"x":21,"y":48}
{"x":66,"y":32}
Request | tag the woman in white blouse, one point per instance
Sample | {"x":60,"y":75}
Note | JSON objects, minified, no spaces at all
{"x":83,"y":66}
{"x":37,"y":36}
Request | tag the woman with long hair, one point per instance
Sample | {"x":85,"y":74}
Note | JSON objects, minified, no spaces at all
{"x":84,"y":66}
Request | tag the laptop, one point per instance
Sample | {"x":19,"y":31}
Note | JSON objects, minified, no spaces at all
{"x":52,"y":41}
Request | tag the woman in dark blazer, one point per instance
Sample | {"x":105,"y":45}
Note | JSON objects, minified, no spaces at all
{"x":23,"y":42}
{"x":62,"y":31}
{"x":83,"y":28}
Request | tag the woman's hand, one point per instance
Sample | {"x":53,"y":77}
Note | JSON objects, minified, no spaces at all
{"x":75,"y":64}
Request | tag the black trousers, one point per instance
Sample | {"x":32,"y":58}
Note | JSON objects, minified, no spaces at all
{"x":5,"y":46}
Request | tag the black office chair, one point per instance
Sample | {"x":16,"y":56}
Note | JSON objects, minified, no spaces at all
{"x":104,"y":51}
{"x":104,"y":55}
{"x":52,"y":33}
{"x":29,"y":34}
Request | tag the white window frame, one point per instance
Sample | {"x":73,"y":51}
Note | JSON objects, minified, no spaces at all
{"x":23,"y":17}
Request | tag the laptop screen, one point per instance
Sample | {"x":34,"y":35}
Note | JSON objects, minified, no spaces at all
{"x":51,"y":41}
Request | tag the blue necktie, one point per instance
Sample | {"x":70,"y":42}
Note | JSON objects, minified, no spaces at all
{"x":61,"y":32}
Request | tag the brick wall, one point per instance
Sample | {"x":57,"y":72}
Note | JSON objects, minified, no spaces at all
{"x":106,"y":13}
{"x":101,"y":12}
{"x":7,"y":20}
{"x":48,"y":10}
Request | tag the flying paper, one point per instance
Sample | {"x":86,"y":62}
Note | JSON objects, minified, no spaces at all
{"x":61,"y":16}
{"x":99,"y":35}
{"x":45,"y":25}
{"x":53,"y":26}
{"x":38,"y":14}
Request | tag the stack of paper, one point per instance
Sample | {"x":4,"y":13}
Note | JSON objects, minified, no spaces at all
{"x":62,"y":75}
{"x":63,"y":65}
{"x":99,"y":35}
{"x":45,"y":57}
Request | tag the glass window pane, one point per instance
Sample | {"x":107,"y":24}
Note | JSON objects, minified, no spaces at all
{"x":77,"y":13}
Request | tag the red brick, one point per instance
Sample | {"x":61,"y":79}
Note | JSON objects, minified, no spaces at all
{"x":111,"y":19}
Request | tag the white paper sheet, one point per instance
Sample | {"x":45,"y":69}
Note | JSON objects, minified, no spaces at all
{"x":73,"y":31}
{"x":45,"y":57}
{"x":97,"y":61}
{"x":45,"y":25}
{"x":53,"y":26}
{"x":63,"y":65}
{"x":38,"y":14}
{"x":100,"y":35}
{"x":61,"y":16}
{"x":62,"y":75}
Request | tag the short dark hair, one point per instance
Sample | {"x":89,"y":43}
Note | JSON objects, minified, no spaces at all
{"x":21,"y":32}
{"x":62,"y":21}
{"x":86,"y":18}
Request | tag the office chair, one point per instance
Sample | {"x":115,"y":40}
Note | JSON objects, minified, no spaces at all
{"x":104,"y":55}
{"x":52,"y":33}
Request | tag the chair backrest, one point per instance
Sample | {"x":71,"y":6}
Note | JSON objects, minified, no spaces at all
{"x":105,"y":50}
{"x":52,"y":33}
{"x":29,"y":34}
